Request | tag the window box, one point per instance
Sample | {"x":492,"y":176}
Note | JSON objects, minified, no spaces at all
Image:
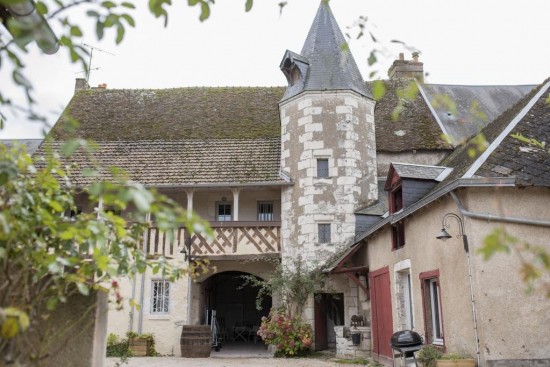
{"x":466,"y":362}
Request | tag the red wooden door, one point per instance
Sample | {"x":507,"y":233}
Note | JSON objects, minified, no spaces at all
{"x":382,"y":322}
{"x":320,"y":311}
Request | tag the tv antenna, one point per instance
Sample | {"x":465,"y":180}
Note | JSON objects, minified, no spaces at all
{"x":89,"y":68}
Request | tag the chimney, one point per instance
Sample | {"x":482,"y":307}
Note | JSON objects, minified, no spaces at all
{"x":402,"y":68}
{"x":102,"y":86}
{"x":81,"y":84}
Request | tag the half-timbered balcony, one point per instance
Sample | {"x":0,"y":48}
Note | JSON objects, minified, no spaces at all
{"x":230,"y":239}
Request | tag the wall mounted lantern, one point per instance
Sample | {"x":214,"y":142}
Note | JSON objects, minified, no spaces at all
{"x":444,"y":235}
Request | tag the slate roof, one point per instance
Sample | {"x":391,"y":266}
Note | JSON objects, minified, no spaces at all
{"x":380,"y":207}
{"x":476,"y":106}
{"x":186,"y":162}
{"x":416,"y":126}
{"x":511,"y":158}
{"x":30,"y":144}
{"x":331,"y":66}
{"x":418,"y":171}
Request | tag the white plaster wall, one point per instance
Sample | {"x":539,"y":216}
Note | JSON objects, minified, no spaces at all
{"x":338,"y":126}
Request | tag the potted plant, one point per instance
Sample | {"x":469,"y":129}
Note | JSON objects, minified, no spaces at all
{"x":141,"y":345}
{"x":429,"y":355}
{"x":455,"y":360}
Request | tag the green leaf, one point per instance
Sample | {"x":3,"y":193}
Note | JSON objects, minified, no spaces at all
{"x":108,"y":4}
{"x":75,"y":31}
{"x":51,"y":304}
{"x":119,"y":33}
{"x":128,"y":5}
{"x":41,"y":8}
{"x":205,"y":11}
{"x":372,"y":58}
{"x":129,"y":20}
{"x":70,"y":147}
{"x":248,"y":5}
{"x":83,"y":289}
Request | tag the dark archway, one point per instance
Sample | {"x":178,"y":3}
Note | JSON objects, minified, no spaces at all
{"x":235,"y":305}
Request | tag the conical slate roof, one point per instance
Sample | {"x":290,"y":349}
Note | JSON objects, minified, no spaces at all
{"x":331,"y":65}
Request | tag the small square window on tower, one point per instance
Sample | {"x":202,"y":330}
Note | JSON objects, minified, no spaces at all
{"x":322,"y":168}
{"x":324,"y":233}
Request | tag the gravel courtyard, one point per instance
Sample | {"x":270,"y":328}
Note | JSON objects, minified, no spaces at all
{"x":224,"y":362}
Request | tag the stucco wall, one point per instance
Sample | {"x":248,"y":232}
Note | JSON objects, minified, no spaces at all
{"x":425,"y":253}
{"x":512,"y":325}
{"x":339,"y":127}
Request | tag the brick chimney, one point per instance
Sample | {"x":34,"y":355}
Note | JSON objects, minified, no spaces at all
{"x":81,"y":84}
{"x":407,"y":68}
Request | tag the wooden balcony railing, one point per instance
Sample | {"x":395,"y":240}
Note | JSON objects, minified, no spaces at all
{"x":229,"y":238}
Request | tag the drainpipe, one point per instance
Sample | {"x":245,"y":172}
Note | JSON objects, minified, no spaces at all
{"x":131,"y":322}
{"x":491,"y":218}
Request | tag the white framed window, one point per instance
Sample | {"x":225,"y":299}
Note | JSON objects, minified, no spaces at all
{"x":223,"y":211}
{"x":324,"y":232}
{"x":322,"y":168}
{"x":160,"y":296}
{"x":265,"y":211}
{"x":435,"y":311}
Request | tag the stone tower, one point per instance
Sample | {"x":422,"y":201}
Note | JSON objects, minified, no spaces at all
{"x":328,"y":143}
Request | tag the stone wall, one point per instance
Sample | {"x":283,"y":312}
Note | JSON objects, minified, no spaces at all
{"x":344,"y":345}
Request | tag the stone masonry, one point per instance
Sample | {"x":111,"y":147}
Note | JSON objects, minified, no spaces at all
{"x":339,"y":127}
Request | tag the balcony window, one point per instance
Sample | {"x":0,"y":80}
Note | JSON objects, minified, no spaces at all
{"x":224,"y":212}
{"x":265,"y":211}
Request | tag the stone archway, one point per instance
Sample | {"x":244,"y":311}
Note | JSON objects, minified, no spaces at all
{"x":235,"y":305}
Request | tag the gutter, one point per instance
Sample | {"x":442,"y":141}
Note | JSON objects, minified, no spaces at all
{"x":228,"y":185}
{"x":497,"y":218}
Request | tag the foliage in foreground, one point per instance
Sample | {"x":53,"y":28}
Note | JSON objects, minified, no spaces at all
{"x":48,"y":257}
{"x":428,"y":355}
{"x":289,"y":334}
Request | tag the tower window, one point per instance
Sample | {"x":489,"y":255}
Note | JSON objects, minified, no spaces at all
{"x":324,"y":233}
{"x":322,"y":168}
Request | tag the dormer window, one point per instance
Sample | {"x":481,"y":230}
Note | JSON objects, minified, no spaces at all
{"x":398,"y":229}
{"x":294,"y":67}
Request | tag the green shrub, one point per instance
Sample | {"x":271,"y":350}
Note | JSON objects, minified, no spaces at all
{"x":428,"y":355}
{"x":117,"y":347}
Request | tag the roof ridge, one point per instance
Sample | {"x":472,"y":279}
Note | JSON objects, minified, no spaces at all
{"x":505,"y":132}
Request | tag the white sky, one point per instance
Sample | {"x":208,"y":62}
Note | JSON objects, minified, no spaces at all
{"x":461,"y":42}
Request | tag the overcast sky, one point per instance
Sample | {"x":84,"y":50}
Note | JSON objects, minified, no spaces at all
{"x":461,"y":42}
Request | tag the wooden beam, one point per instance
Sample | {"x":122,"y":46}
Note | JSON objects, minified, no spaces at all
{"x":355,"y":269}
{"x":358,"y":282}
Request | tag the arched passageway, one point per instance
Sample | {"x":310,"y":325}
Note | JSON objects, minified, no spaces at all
{"x":235,"y":305}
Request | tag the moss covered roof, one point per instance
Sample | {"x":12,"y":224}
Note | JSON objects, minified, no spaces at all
{"x":173,"y":114}
{"x":415,"y":127}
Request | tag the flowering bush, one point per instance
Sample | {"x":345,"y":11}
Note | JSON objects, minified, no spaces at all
{"x":289,"y":334}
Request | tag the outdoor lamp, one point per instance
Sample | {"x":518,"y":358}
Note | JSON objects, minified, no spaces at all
{"x":444,"y":235}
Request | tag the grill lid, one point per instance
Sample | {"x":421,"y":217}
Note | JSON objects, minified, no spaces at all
{"x":406,"y":338}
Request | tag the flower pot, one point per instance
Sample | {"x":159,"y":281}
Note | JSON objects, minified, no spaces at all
{"x":455,"y":363}
{"x":139,"y":346}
